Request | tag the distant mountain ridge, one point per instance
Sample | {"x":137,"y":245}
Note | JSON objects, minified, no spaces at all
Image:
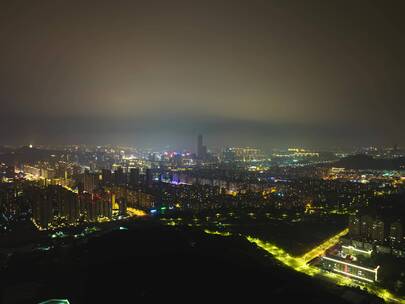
{"x":362,"y":161}
{"x":25,"y":155}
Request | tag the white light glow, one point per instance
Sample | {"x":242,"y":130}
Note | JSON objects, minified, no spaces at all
{"x":349,"y":264}
{"x":353,"y":275}
{"x":356,"y":249}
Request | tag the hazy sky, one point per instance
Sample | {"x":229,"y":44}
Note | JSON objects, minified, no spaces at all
{"x":265,"y":73}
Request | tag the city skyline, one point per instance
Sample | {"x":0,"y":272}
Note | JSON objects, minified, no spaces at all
{"x":155,"y":150}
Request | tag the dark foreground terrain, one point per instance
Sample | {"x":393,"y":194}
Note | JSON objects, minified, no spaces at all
{"x":150,"y":262}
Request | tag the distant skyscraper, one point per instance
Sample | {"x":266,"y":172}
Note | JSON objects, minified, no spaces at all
{"x":134,"y":177}
{"x":201,"y":149}
{"x":90,"y":206}
{"x":42,"y":209}
{"x":106,"y":175}
{"x":122,"y":203}
{"x":366,"y":226}
{"x":149,"y":177}
{"x":89,"y":183}
{"x":120,"y":177}
{"x":354,"y":225}
{"x":396,"y":232}
{"x":378,"y":233}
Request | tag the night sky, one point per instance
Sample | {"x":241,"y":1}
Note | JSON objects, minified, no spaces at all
{"x":157,"y":73}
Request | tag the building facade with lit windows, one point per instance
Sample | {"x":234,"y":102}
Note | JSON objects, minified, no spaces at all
{"x":385,"y":236}
{"x":349,"y":267}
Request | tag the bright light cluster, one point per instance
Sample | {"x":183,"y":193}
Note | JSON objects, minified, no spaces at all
{"x":300,"y":264}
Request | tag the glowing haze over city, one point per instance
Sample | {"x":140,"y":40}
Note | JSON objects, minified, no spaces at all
{"x":202,"y":150}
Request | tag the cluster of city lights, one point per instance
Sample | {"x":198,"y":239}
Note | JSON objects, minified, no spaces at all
{"x":300,"y":264}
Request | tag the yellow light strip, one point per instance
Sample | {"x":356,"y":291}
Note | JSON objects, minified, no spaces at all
{"x":319,"y":250}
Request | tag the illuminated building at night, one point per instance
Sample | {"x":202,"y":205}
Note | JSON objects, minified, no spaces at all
{"x":240,"y":154}
{"x":134,"y":177}
{"x":201,"y":149}
{"x":396,"y":233}
{"x":348,"y":267}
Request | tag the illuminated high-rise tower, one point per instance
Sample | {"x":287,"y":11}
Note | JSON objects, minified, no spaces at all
{"x":201,"y":149}
{"x":134,"y":177}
